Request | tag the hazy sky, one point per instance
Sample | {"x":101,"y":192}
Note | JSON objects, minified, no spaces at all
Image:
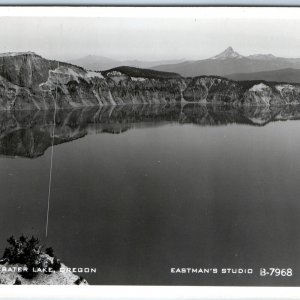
{"x":149,"y":38}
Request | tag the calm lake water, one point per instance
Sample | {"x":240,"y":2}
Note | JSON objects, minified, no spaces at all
{"x":139,"y":190}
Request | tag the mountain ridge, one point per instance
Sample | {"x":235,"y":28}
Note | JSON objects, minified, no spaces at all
{"x":28,"y":81}
{"x":101,"y":63}
{"x":289,"y":75}
{"x":229,"y":62}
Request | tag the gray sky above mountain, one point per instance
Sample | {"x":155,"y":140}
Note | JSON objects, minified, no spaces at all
{"x":149,"y":38}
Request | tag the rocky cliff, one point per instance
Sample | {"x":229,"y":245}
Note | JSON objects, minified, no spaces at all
{"x":28,"y":81}
{"x":218,"y":90}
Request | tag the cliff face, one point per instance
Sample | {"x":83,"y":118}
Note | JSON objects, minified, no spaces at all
{"x":25,"y":69}
{"x":28,"y":81}
{"x":25,"y":81}
{"x":217,"y":90}
{"x":126,"y":89}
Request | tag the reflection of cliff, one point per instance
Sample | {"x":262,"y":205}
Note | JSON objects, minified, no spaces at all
{"x":28,"y":133}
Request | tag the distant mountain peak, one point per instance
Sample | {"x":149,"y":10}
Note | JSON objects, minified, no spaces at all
{"x":228,"y":53}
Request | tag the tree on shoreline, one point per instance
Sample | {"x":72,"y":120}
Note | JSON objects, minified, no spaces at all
{"x":28,"y":251}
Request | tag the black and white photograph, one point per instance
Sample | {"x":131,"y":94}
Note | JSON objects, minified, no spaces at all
{"x":151,"y":150}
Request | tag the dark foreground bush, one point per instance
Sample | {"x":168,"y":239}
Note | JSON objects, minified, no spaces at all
{"x":50,"y":251}
{"x":18,"y":282}
{"x":56,"y":264}
{"x":26,"y":251}
{"x":22,"y":250}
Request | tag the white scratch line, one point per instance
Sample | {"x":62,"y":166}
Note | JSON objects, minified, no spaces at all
{"x":51,"y":161}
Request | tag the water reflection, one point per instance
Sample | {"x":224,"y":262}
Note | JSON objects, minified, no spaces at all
{"x":28,"y":133}
{"x":191,"y":192}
